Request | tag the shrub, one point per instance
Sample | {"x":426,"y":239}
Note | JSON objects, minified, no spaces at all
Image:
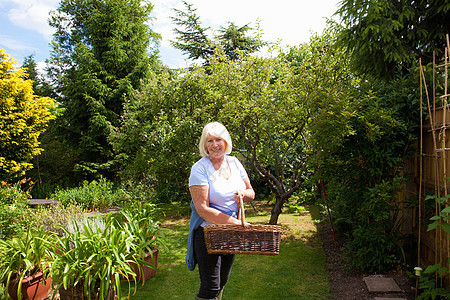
{"x":92,"y":195}
{"x":24,"y":117}
{"x":142,"y":190}
{"x":56,"y":216}
{"x":13,"y":209}
{"x":430,"y":284}
{"x":359,"y":173}
{"x":375,"y":245}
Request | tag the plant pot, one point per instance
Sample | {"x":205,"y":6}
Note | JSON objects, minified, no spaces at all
{"x":76,"y":293}
{"x":33,"y":288}
{"x":147,"y":271}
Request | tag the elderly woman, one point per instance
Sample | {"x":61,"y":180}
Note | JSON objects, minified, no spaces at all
{"x":216,"y":182}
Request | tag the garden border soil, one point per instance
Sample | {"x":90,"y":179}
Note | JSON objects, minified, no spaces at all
{"x":347,"y":283}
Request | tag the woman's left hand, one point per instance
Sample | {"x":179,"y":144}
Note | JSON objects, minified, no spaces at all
{"x":248,"y":194}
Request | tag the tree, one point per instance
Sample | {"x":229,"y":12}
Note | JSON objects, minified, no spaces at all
{"x":40,"y":86}
{"x":235,"y":42}
{"x":266,"y":103}
{"x":266,"y":110}
{"x":157,"y":139}
{"x":386,"y":37}
{"x":30,"y":67}
{"x":23,"y":116}
{"x":195,"y":42}
{"x":283,"y":107}
{"x":101,"y":49}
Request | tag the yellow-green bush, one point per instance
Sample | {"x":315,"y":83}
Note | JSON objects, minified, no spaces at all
{"x":23,"y":116}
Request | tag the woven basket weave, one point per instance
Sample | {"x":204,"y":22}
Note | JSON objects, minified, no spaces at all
{"x":244,"y":238}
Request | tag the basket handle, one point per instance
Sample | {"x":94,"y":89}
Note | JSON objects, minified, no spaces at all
{"x":241,"y":212}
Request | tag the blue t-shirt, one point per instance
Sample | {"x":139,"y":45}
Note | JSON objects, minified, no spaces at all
{"x":221,"y":191}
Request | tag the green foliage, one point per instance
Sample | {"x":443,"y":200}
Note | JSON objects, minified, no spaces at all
{"x":23,"y":256}
{"x":97,"y":194}
{"x":382,"y":124}
{"x":158,"y":139}
{"x":264,"y":108}
{"x":193,"y":40}
{"x":441,"y":219}
{"x":281,"y":107}
{"x":375,"y":239}
{"x":294,"y":208}
{"x":53,"y":168}
{"x":138,"y":219}
{"x":268,"y":105}
{"x":3,"y":292}
{"x":388,"y":37}
{"x":13,"y":209}
{"x":100,"y":48}
{"x":430,"y":284}
{"x":93,"y":258}
{"x":55,"y":217}
{"x":98,"y":253}
{"x":23,"y":116}
{"x":40,"y":86}
{"x":360,"y":172}
{"x":236,"y":43}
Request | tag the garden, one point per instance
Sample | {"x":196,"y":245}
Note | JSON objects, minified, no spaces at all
{"x":329,"y":131}
{"x":300,"y":271}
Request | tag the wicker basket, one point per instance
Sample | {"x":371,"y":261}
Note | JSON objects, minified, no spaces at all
{"x":242,"y":239}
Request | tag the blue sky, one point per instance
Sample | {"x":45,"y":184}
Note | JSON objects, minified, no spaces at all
{"x":24,"y":29}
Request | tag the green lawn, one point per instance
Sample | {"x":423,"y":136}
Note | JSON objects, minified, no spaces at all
{"x":298,"y":272}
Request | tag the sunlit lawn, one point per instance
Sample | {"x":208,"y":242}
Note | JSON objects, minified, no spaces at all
{"x":298,"y":272}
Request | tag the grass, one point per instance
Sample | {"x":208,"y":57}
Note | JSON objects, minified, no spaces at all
{"x":298,"y":272}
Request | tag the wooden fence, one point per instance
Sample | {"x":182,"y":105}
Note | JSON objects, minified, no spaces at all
{"x":429,"y":169}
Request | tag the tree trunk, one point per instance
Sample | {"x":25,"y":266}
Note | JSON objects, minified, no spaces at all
{"x":276,"y":210}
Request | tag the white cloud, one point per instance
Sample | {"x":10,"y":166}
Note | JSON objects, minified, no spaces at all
{"x":33,"y":15}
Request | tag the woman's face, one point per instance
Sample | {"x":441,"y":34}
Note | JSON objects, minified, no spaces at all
{"x":215,"y":146}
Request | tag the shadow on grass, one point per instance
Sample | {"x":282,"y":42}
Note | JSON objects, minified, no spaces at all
{"x":298,"y":272}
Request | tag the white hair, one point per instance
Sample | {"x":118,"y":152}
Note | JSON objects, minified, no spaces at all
{"x":214,"y":129}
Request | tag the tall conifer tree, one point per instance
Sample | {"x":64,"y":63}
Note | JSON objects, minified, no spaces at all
{"x":101,"y":50}
{"x":386,"y":37}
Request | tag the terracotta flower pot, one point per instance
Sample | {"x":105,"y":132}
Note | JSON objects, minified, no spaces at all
{"x":33,"y":288}
{"x":76,"y":293}
{"x":147,"y":271}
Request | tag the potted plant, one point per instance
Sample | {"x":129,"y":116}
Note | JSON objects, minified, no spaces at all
{"x":149,"y":238}
{"x":23,"y":264}
{"x":90,"y":262}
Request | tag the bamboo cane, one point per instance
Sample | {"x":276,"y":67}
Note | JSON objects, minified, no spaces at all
{"x":437,"y":183}
{"x":446,"y":95}
{"x":420,"y":166}
{"x":429,"y":107}
{"x":434,"y":86}
{"x":441,"y":243}
{"x":432,"y":125}
{"x":437,"y":175}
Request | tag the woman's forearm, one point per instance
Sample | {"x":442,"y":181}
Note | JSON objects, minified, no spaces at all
{"x":215,"y":216}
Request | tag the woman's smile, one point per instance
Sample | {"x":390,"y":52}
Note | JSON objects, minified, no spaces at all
{"x":215,"y":146}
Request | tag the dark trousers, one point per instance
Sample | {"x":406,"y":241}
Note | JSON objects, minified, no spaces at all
{"x":214,"y":269}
